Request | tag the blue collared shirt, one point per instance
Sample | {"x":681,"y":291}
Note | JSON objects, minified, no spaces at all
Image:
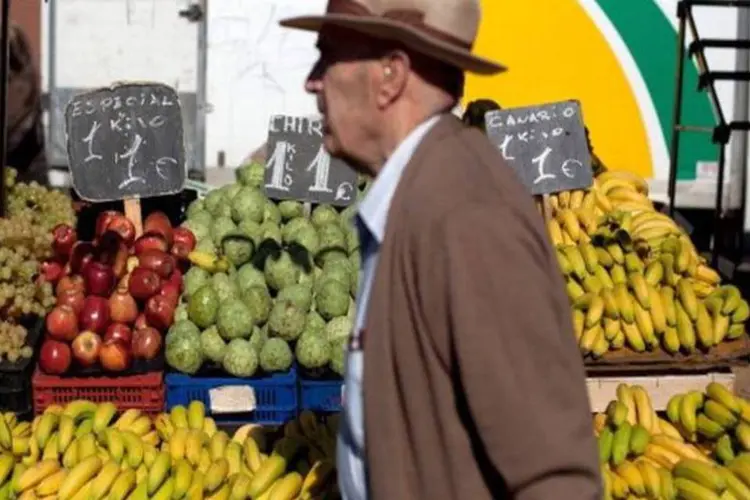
{"x":371,"y":222}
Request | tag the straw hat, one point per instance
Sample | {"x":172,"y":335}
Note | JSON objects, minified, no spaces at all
{"x":442,"y":29}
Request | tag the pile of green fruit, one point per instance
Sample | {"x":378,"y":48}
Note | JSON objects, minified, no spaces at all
{"x":271,"y":282}
{"x":32,"y":211}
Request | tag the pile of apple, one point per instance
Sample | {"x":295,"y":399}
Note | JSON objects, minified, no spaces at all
{"x":116,"y":295}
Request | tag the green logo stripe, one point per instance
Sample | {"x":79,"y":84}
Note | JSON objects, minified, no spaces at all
{"x":652,"y":42}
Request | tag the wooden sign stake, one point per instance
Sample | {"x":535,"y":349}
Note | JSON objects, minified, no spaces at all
{"x":133,"y":212}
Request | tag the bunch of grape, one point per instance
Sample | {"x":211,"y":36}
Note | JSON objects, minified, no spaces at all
{"x":32,"y":211}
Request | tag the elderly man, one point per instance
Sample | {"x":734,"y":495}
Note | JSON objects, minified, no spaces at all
{"x":463,"y":378}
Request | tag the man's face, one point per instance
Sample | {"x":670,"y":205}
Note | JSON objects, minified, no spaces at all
{"x":342,"y":84}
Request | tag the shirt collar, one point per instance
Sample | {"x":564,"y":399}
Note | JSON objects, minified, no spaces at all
{"x":373,"y":209}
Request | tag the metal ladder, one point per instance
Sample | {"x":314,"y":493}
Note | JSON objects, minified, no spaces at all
{"x":722,"y":131}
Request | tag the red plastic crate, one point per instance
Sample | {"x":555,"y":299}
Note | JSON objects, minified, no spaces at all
{"x":143,"y":392}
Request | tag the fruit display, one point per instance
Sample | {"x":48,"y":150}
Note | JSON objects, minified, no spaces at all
{"x":25,"y":242}
{"x":700,"y":448}
{"x":115,"y":295}
{"x":634,"y":278}
{"x":86,"y":451}
{"x":270,"y":283}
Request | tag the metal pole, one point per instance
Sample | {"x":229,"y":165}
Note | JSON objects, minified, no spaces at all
{"x":740,"y":151}
{"x":682,"y":12}
{"x":4,"y":45}
{"x":201,"y":97}
{"x":718,"y":232}
{"x":52,"y":84}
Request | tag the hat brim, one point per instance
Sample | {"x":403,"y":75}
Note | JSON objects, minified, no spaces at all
{"x":401,"y":32}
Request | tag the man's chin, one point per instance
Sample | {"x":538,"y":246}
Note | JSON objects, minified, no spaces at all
{"x":332,"y":148}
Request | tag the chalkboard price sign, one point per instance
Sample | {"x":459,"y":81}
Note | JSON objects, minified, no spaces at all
{"x":126,"y":141}
{"x":299,"y":168}
{"x":546,"y":145}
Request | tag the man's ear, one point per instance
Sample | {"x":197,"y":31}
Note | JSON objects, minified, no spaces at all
{"x":395,"y":72}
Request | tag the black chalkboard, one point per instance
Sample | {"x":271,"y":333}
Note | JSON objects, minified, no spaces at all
{"x":126,"y":141}
{"x":299,"y":168}
{"x":546,"y":145}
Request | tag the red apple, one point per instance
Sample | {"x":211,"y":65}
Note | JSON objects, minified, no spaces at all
{"x":103,"y":220}
{"x":54,"y":357}
{"x":160,"y":312}
{"x":150,"y":241}
{"x":123,"y":227}
{"x":73,"y":282}
{"x":171,"y":292}
{"x":95,"y":314}
{"x":146,"y":343}
{"x":122,"y":307}
{"x":62,"y":323}
{"x":52,"y":271}
{"x":86,"y":348}
{"x":119,"y":331}
{"x":100,"y":278}
{"x":72,"y":298}
{"x":113,"y":252}
{"x":143,"y":283}
{"x":160,"y":262}
{"x":115,"y":356}
{"x":185,"y":236}
{"x":176,"y":279}
{"x":81,"y":255}
{"x":140,"y":322}
{"x":64,"y":237}
{"x":159,"y":223}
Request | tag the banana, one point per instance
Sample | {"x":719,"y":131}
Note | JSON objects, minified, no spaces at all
{"x":179,"y":418}
{"x":216,"y":475}
{"x":592,"y":284}
{"x":724,"y":450}
{"x":218,"y":445}
{"x":50,"y":484}
{"x":687,"y":298}
{"x":66,"y":431}
{"x":722,"y":395}
{"x":79,"y":410}
{"x":654,"y":273}
{"x":70,"y":457}
{"x":103,"y":482}
{"x":720,"y":327}
{"x":645,"y":411}
{"x":639,"y":439}
{"x":601,"y":274}
{"x":651,"y":479}
{"x":115,"y":445}
{"x":742,"y":433}
{"x":195,"y":492}
{"x":634,"y":338}
{"x":205,"y":461}
{"x":178,"y":442}
{"x":164,"y":426}
{"x":123,"y":485}
{"x":701,"y":473}
{"x":574,"y":290}
{"x":141,"y":426}
{"x":165,"y":492}
{"x":673,"y":408}
{"x":47,"y":425}
{"x":127,"y":419}
{"x":239,"y":488}
{"x":604,"y":258}
{"x":6,"y":466}
{"x":671,"y":340}
{"x":742,"y":313}
{"x":634,"y":265}
{"x":86,"y":426}
{"x":630,"y":473}
{"x":645,"y":325}
{"x":183,"y":477}
{"x":691,"y":490}
{"x":734,"y":485}
{"x":624,"y":303}
{"x":735,"y":331}
{"x":208,"y":261}
{"x":251,"y":453}
{"x":78,"y":476}
{"x":732,"y":299}
{"x":689,"y":406}
{"x":570,"y":223}
{"x":22,"y":429}
{"x":704,"y":327}
{"x":193,"y":446}
{"x":685,"y":330}
{"x":708,"y":428}
{"x":134,"y":448}
{"x":104,"y":414}
{"x":233,"y":454}
{"x":555,"y":232}
{"x":681,"y":449}
{"x":595,"y":311}
{"x":707,"y":275}
{"x":720,"y":414}
{"x":618,"y":275}
{"x":209,"y":427}
{"x":625,"y":396}
{"x":6,"y":435}
{"x":159,"y":472}
{"x":620,"y":444}
{"x":658,"y":316}
{"x":669,"y":430}
{"x":196,"y":414}
{"x":32,"y":476}
{"x":611,"y":328}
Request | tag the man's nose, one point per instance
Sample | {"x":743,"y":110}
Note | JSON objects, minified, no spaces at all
{"x":314,"y":81}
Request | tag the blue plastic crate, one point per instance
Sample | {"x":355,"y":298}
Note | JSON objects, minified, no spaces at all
{"x":321,"y":395}
{"x":275,"y":395}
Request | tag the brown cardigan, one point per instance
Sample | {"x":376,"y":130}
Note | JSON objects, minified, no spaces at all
{"x":474,"y":387}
